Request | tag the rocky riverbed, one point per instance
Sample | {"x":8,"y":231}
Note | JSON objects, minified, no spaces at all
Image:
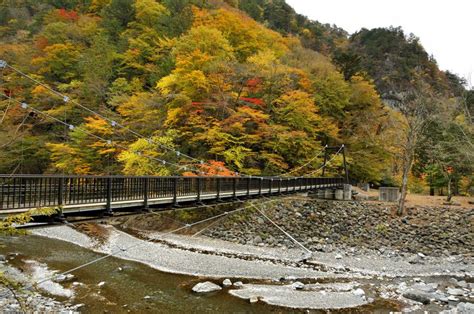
{"x":358,"y":227}
{"x":364,"y":256}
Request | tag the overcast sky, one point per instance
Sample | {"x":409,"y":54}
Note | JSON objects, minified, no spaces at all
{"x":445,"y":27}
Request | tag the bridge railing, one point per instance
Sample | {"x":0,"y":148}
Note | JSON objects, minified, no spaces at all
{"x":34,"y":191}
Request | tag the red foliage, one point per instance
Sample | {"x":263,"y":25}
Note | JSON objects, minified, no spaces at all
{"x":254,"y":82}
{"x":255,"y":101}
{"x":66,"y":15}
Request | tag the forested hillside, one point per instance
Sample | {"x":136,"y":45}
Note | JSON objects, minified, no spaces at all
{"x":246,"y":86}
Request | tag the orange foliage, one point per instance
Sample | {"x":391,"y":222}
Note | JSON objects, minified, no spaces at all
{"x":38,"y":90}
{"x":66,"y":15}
{"x":41,"y":42}
{"x":212,"y":168}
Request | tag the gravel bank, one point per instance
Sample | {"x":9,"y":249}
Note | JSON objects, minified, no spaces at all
{"x":373,"y":263}
{"x":176,"y":260}
{"x":290,"y":297}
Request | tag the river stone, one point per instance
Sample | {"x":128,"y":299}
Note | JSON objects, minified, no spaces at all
{"x":455,"y":291}
{"x":77,"y":306}
{"x":465,"y":308}
{"x":431,"y":287}
{"x":297,"y":285}
{"x":257,"y":239}
{"x":359,"y":292}
{"x":419,"y":296}
{"x":415,"y":260}
{"x":59,"y":278}
{"x":204,"y":287}
{"x":462,"y":284}
{"x":2,"y":258}
{"x":453,"y":281}
{"x":253,"y":299}
{"x":227,"y":283}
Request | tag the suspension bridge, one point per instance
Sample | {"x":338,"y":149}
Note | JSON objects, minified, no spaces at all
{"x":104,"y":195}
{"x":92,"y":196}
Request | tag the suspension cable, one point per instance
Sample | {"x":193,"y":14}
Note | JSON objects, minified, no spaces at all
{"x":304,"y":165}
{"x":107,"y":141}
{"x":326,"y":163}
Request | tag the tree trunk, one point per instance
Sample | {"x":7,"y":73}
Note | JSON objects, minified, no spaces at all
{"x":404,"y":187}
{"x":450,"y":195}
{"x":407,"y":163}
{"x":432,"y":190}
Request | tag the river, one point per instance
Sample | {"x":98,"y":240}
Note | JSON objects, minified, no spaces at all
{"x":129,"y":286}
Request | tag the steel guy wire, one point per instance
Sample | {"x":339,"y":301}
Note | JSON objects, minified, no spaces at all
{"x":107,"y":141}
{"x":281,"y":229}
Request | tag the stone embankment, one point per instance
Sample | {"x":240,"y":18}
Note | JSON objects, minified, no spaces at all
{"x":323,"y":225}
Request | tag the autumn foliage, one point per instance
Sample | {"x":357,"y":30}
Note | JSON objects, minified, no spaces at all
{"x":236,"y":90}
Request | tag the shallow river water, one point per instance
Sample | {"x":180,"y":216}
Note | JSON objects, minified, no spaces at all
{"x":131,"y":287}
{"x":124,"y":290}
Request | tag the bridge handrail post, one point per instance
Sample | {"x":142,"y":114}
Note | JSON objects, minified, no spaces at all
{"x":146,"y":184}
{"x":260,"y":187}
{"x":279,"y":186}
{"x":61,"y":191}
{"x":248,"y":186}
{"x":199,"y":184}
{"x":218,"y":187}
{"x":175,"y":191}
{"x":108,"y":206}
{"x":234,"y":187}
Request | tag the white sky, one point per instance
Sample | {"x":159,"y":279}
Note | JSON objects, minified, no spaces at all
{"x":445,"y":27}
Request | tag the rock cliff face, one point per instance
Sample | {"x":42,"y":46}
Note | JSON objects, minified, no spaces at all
{"x":322,"y":225}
